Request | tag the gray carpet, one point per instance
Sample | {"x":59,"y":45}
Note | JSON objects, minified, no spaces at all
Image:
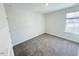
{"x":46,"y":45}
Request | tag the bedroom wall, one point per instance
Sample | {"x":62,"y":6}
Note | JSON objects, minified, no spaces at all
{"x":24,"y":24}
{"x":55,"y":23}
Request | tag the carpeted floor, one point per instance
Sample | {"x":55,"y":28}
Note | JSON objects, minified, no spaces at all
{"x":46,"y":45}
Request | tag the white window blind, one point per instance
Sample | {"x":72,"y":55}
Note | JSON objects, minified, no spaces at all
{"x":72,"y":23}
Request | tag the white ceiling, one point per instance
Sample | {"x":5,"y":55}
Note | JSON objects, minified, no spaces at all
{"x":41,"y":7}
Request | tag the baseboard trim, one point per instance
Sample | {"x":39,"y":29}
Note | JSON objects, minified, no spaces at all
{"x":63,"y":38}
{"x":26,"y":40}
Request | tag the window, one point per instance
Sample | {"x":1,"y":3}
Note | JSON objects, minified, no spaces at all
{"x":72,"y":23}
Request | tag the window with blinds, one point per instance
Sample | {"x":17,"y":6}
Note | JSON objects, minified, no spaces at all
{"x":72,"y":23}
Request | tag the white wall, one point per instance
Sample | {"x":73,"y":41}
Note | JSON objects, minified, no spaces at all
{"x":55,"y":23}
{"x":5,"y":40}
{"x":24,"y":24}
